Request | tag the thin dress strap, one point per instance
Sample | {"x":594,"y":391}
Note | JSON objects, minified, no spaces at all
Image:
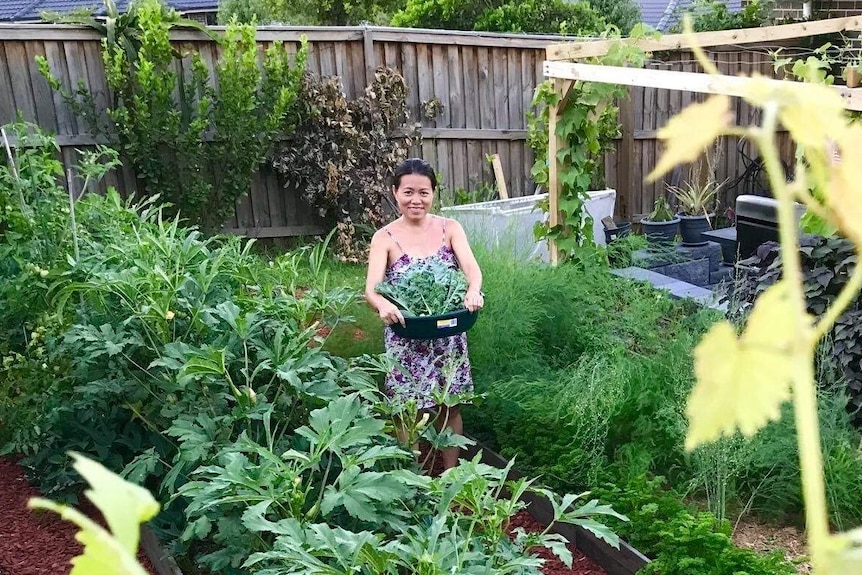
{"x":444,"y":233}
{"x":386,"y":228}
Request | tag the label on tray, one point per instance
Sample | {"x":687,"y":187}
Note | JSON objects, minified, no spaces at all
{"x":444,"y":323}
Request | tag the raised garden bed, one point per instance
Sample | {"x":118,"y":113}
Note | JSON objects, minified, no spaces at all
{"x":33,"y":543}
{"x":623,"y":561}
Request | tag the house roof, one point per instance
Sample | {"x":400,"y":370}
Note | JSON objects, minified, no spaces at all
{"x":662,"y":14}
{"x":30,"y":9}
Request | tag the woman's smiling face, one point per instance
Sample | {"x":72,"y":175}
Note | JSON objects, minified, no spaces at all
{"x":414,"y":195}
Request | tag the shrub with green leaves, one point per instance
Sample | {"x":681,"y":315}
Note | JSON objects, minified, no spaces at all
{"x":341,"y":154}
{"x":161,"y":121}
{"x":710,"y":15}
{"x":681,"y":540}
{"x":535,"y":16}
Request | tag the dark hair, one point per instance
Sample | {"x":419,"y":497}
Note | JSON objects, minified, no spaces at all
{"x":414,"y":166}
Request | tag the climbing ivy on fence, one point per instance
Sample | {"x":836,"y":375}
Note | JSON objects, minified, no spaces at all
{"x":587,"y":126}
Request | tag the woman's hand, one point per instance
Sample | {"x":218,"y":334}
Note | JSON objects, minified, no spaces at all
{"x":390,"y":314}
{"x":474,"y":300}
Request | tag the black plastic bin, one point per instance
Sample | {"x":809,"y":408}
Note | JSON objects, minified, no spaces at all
{"x":434,"y":326}
{"x":757,"y":222}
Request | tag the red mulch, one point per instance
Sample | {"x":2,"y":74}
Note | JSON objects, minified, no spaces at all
{"x":36,"y":542}
{"x":581,"y":564}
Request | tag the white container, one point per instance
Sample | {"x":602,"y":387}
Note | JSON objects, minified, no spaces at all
{"x":509,"y":224}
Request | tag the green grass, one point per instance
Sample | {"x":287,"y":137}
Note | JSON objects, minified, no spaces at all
{"x":363,"y":334}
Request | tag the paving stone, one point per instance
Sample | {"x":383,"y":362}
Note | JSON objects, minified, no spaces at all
{"x":691,"y":291}
{"x":695,"y":272}
{"x":676,"y":288}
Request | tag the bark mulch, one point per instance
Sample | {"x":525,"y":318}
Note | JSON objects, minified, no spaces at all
{"x":36,"y":542}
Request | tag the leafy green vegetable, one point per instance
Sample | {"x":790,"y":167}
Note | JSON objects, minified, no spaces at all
{"x":429,"y":287}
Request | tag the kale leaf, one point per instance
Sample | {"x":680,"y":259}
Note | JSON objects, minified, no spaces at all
{"x":428,"y":287}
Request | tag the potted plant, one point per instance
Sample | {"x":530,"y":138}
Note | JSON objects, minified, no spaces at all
{"x":696,"y":204}
{"x":660,"y":226}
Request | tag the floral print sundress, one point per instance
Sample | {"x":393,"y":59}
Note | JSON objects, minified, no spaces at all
{"x":427,"y":365}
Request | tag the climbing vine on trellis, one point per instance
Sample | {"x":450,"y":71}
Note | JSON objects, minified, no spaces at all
{"x":587,"y":126}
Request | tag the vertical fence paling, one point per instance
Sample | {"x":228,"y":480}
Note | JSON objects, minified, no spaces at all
{"x":647,"y":109}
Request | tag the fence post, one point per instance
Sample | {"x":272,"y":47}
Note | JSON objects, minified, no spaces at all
{"x":370,"y":60}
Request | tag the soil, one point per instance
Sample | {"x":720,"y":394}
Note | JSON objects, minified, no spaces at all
{"x":36,"y":542}
{"x":581,"y":564}
{"x":762,"y":537}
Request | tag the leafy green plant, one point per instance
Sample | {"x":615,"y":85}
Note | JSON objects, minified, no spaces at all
{"x":429,"y":288}
{"x":123,"y":30}
{"x":466,"y":512}
{"x":536,"y":16}
{"x":620,"y":250}
{"x":542,"y":16}
{"x":661,"y":211}
{"x":624,"y":14}
{"x":680,"y":540}
{"x":695,"y":199}
{"x":125,"y":506}
{"x":710,"y":15}
{"x":160,"y":120}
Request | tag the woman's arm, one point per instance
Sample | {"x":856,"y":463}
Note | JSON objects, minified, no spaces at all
{"x":378,"y":257}
{"x":467,"y":261}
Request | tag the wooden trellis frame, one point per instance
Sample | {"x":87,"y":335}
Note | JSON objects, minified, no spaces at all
{"x":561,"y":66}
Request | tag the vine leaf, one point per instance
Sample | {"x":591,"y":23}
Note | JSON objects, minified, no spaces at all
{"x":845,"y":187}
{"x":683,"y":144}
{"x":812,"y":113}
{"x":742,"y":382}
{"x":124,"y":506}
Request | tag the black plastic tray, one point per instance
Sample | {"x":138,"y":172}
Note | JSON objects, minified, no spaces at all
{"x":435,"y":326}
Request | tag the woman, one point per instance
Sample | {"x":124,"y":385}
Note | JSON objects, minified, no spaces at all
{"x":415,"y":236}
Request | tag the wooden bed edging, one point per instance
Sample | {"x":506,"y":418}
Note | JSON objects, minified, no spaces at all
{"x":163,"y":563}
{"x":623,"y":561}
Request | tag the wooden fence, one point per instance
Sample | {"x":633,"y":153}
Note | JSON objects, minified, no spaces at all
{"x":484,"y":82}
